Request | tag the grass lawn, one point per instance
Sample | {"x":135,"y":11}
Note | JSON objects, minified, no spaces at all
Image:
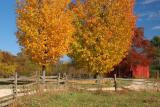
{"x":88,"y":99}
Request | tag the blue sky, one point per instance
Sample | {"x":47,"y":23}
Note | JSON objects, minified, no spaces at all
{"x":148,"y":12}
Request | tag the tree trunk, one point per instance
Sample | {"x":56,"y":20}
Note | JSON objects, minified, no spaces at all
{"x":98,"y":81}
{"x":43,"y":74}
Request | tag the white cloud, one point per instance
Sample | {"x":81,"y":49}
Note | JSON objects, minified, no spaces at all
{"x":150,"y":15}
{"x":142,"y":14}
{"x":156,"y":28}
{"x":149,"y":1}
{"x":139,"y":19}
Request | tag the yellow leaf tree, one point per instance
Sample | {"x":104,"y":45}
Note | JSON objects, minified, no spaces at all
{"x":104,"y":31}
{"x":44,"y":29}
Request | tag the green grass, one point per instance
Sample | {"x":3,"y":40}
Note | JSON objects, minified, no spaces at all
{"x":88,"y":99}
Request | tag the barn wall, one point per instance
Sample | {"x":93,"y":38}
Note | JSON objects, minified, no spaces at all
{"x":140,"y":71}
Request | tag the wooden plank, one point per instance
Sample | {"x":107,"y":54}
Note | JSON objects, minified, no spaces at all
{"x":51,"y":80}
{"x":6,"y":99}
{"x":6,"y":103}
{"x":8,"y":96}
{"x":51,"y":77}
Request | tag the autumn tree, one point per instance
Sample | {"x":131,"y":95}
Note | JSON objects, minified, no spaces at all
{"x":142,"y":50}
{"x":44,"y":29}
{"x":104,"y":30}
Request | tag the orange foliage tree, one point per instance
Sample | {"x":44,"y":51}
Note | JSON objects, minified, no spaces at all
{"x":44,"y":29}
{"x":104,"y":30}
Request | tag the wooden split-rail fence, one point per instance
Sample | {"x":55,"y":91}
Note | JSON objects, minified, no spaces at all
{"x":58,"y":81}
{"x":30,"y":88}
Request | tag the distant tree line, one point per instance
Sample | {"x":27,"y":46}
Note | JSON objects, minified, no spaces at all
{"x":20,"y":63}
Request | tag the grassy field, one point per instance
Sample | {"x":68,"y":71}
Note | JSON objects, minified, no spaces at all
{"x":88,"y":99}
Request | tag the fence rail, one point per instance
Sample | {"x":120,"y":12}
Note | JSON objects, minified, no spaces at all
{"x":6,"y":100}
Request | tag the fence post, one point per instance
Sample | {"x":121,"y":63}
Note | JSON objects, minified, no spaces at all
{"x":115,"y":82}
{"x":37,"y":77}
{"x":43,"y":76}
{"x":66,"y":79}
{"x":157,"y":75}
{"x":15,"y":85}
{"x":59,"y":76}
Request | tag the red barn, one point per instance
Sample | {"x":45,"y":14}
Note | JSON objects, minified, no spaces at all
{"x":140,"y":71}
{"x":136,"y":71}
